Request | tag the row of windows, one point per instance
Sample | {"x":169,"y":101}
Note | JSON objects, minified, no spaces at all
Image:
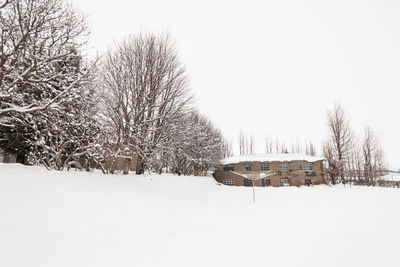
{"x":229,"y":182}
{"x":284,"y":167}
{"x":228,"y":168}
{"x":265,"y":182}
{"x":306,"y":166}
{"x":247,"y":182}
{"x":265,"y":167}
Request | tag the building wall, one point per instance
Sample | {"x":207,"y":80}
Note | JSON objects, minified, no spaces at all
{"x":124,"y":164}
{"x":7,"y":157}
{"x":297,"y":177}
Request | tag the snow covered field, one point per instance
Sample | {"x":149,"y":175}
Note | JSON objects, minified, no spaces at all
{"x":90,"y":219}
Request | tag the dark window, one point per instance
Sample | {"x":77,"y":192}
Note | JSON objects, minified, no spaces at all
{"x":284,"y":167}
{"x":264,"y":167}
{"x":307,"y":182}
{"x":306,"y":166}
{"x":266,"y":182}
{"x":229,"y":182}
{"x":228,"y":168}
{"x":246,"y":167}
{"x":248,"y":182}
{"x":285,"y":181}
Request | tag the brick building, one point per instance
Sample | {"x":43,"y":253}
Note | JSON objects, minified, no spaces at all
{"x":271,"y":170}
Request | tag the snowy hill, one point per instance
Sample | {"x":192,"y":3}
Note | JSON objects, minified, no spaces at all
{"x":90,"y":219}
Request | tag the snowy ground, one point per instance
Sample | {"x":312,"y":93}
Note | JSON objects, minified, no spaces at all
{"x":89,"y":219}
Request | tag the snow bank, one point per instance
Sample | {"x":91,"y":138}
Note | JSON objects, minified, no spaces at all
{"x":50,"y":218}
{"x":269,"y":158}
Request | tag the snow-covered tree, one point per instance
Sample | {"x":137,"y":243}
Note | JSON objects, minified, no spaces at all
{"x":145,"y":89}
{"x":3,"y":3}
{"x":67,"y":136}
{"x":195,"y":145}
{"x":37,"y":38}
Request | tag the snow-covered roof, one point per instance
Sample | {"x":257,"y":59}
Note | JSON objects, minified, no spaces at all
{"x":395,"y":177}
{"x":269,"y":158}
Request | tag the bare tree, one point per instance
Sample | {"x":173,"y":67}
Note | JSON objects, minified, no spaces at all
{"x":358,"y":162}
{"x":268,"y":144}
{"x":284,"y":148}
{"x":355,"y":164}
{"x":246,"y":143}
{"x":241,"y":143}
{"x":380,"y":164}
{"x":311,"y":149}
{"x":276,"y":144}
{"x":332,"y":168}
{"x":251,"y":144}
{"x":369,"y":147}
{"x":339,"y":143}
{"x":227,"y":149}
{"x":307,"y":148}
{"x":36,"y":38}
{"x":374,"y":163}
{"x":145,"y":89}
{"x":299,"y":148}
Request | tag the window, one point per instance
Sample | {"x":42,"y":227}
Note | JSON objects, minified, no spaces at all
{"x":229,"y":182}
{"x":284,"y":167}
{"x":307,"y":182}
{"x":266,"y":182}
{"x":264,"y":167}
{"x":306,"y":166}
{"x":247,"y":182}
{"x":285,"y":181}
{"x":228,"y":168}
{"x":246,"y":167}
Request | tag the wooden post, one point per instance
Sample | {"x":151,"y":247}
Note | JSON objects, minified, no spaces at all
{"x":254,"y":193}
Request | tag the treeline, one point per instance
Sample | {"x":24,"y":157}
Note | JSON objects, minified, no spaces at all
{"x":63,"y":111}
{"x":274,"y":145}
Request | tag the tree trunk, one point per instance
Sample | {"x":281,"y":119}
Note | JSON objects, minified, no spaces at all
{"x":139,"y":165}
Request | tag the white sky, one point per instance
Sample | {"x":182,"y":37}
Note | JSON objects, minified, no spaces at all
{"x":276,"y":66}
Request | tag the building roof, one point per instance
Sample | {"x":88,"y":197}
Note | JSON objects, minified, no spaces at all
{"x":269,"y":158}
{"x":395,"y":177}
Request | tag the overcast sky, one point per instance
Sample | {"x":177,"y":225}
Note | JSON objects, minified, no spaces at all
{"x":276,"y":66}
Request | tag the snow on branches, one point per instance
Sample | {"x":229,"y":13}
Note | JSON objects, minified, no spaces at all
{"x":145,"y":88}
{"x":38,"y":42}
{"x":64,"y":114}
{"x":194,"y":145}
